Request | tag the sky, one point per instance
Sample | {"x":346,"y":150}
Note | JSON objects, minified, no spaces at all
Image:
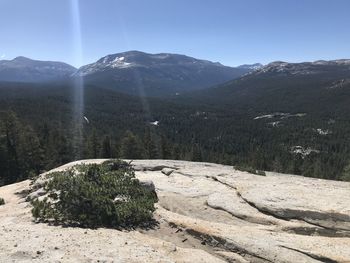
{"x":232,"y":32}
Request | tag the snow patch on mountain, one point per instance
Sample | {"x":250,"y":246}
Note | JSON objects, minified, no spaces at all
{"x":252,"y":67}
{"x":108,"y":62}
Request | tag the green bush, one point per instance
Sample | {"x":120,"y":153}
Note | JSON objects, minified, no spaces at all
{"x":96,"y":195}
{"x":346,"y":173}
{"x":2,"y":201}
{"x":250,"y":170}
{"x":260,"y":172}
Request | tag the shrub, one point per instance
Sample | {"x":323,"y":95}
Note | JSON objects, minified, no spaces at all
{"x":96,"y":195}
{"x":250,"y":170}
{"x":260,"y":172}
{"x":2,"y":201}
{"x":346,"y":174}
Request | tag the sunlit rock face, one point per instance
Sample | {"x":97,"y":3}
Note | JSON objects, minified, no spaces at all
{"x":206,"y":213}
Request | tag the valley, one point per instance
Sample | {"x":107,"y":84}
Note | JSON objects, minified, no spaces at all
{"x":270,"y":119}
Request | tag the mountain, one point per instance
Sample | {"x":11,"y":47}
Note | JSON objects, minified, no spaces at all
{"x":140,"y":73}
{"x":22,"y":69}
{"x":282,"y":86}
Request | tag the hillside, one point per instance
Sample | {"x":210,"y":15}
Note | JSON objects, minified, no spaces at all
{"x":289,"y":105}
{"x":320,"y":87}
{"x":206,"y":213}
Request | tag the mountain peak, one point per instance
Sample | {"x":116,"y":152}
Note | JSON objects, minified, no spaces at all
{"x":21,"y":58}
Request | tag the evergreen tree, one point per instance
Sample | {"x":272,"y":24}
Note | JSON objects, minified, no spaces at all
{"x":131,"y":147}
{"x":31,"y":152}
{"x":106,"y":151}
{"x":346,"y":173}
{"x":166,"y":149}
{"x":93,"y":145}
{"x":277,"y":165}
{"x":196,"y":153}
{"x":12,"y":133}
{"x":21,"y":150}
{"x":150,"y":144}
{"x":176,"y":154}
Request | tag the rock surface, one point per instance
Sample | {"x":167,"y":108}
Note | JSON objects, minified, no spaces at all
{"x":206,"y":213}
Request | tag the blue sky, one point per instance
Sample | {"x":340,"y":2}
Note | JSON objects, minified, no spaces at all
{"x":232,"y":32}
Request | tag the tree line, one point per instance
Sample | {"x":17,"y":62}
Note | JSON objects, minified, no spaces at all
{"x":28,"y":149}
{"x":26,"y":152}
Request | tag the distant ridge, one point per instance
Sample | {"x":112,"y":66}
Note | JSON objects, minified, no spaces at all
{"x":22,"y":69}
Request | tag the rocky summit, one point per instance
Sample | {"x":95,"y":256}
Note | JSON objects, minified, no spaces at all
{"x":206,"y":213}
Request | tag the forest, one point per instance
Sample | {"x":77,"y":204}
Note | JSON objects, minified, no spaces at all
{"x":39,"y":131}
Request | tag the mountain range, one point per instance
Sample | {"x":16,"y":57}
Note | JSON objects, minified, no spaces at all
{"x":276,"y":87}
{"x":131,"y":72}
{"x":165,"y":74}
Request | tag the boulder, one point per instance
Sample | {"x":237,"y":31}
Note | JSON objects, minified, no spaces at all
{"x":36,"y":194}
{"x":149,"y":185}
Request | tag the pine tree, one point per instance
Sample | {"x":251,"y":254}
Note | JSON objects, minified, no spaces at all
{"x":21,"y":150}
{"x":277,"y":165}
{"x":176,"y":154}
{"x":131,"y":147}
{"x":106,"y":151}
{"x":12,"y":133}
{"x":196,"y":153}
{"x":31,"y":152}
{"x":150,"y":144}
{"x":166,"y":149}
{"x":93,"y":145}
{"x":346,"y":173}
